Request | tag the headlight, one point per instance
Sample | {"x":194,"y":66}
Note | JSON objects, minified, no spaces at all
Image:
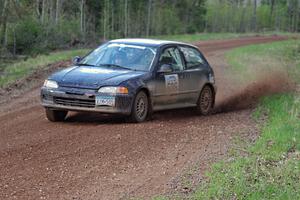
{"x":50,"y":84}
{"x":113,"y":90}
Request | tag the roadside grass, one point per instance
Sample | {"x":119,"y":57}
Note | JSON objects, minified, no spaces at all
{"x":249,"y":61}
{"x":269,"y":168}
{"x":22,"y":69}
{"x":272,"y":168}
{"x":216,"y":36}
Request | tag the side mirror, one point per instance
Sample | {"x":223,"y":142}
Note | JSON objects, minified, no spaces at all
{"x":165,"y":68}
{"x":76,"y":60}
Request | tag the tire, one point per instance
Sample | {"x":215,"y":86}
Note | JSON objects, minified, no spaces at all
{"x":56,"y":115}
{"x":205,"y":101}
{"x":140,"y":108}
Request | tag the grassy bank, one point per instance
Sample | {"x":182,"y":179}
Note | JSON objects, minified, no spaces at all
{"x":21,"y":69}
{"x":249,"y":61}
{"x":270,"y":168}
{"x":216,"y":36}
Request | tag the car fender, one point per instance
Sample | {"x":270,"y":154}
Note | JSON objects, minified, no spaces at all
{"x":137,"y":84}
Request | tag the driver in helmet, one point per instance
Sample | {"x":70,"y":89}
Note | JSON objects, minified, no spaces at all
{"x":120,"y":58}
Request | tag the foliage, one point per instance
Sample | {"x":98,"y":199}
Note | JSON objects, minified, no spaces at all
{"x":38,"y":26}
{"x":252,"y":16}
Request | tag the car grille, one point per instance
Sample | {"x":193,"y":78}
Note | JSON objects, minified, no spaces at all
{"x":88,"y":103}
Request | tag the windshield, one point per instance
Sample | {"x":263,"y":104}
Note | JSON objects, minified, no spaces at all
{"x":126,"y":56}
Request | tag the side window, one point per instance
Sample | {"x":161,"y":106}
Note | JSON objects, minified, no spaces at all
{"x":192,"y":57}
{"x":172,"y":57}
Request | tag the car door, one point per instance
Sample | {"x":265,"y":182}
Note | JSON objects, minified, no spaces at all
{"x":168,"y":85}
{"x":194,"y":75}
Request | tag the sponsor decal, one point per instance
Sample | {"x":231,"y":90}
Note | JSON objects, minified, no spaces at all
{"x":172,"y":82}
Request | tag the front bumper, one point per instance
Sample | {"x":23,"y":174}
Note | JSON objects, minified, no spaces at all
{"x":74,"y":99}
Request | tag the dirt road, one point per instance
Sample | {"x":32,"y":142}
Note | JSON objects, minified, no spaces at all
{"x":101,"y":157}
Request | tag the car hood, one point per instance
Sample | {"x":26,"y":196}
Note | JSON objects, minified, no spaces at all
{"x":92,"y":77}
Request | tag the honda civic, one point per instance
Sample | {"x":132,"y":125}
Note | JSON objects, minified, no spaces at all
{"x":132,"y":78}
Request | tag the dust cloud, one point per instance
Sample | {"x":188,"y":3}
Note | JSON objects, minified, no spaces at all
{"x":248,"y":95}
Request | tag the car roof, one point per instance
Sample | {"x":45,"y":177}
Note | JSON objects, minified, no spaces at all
{"x":147,"y":42}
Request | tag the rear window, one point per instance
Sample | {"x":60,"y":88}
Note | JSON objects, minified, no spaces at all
{"x":192,"y":57}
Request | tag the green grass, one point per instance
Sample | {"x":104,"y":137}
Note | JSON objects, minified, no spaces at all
{"x":215,"y":36}
{"x":270,"y":168}
{"x":251,"y":61}
{"x":23,"y":68}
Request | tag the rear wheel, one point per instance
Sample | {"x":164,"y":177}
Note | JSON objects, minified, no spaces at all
{"x":140,"y":107}
{"x":56,"y":115}
{"x":205,"y":101}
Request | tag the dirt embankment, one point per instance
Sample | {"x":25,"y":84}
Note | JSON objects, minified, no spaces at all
{"x":92,"y":156}
{"x":27,"y":83}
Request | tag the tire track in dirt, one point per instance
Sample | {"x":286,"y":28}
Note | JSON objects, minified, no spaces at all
{"x":93,"y":156}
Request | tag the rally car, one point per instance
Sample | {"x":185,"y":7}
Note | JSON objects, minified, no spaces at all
{"x":134,"y":78}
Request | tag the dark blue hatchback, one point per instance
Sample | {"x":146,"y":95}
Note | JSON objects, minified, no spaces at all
{"x":133,"y":77}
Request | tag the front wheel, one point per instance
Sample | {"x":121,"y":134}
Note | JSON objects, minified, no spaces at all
{"x":205,"y":101}
{"x":56,"y":115}
{"x":140,"y":107}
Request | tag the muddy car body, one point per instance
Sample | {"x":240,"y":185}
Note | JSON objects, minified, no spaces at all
{"x":133,"y":77}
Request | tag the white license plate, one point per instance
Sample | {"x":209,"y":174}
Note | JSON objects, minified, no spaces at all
{"x":105,"y":101}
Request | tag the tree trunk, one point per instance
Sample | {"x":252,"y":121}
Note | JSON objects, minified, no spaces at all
{"x":296,"y":11}
{"x":271,"y":18}
{"x":57,"y":12}
{"x":112,"y":17}
{"x":82,"y":16}
{"x":15,"y":44}
{"x":298,"y":16}
{"x":43,"y":11}
{"x":272,"y":2}
{"x":148,"y":18}
{"x":242,"y":23}
{"x":104,"y":20}
{"x":254,"y":25}
{"x":289,"y":10}
{"x":38,"y":8}
{"x":52,"y":14}
{"x":3,"y":24}
{"x":125,"y":18}
{"x":277,"y":22}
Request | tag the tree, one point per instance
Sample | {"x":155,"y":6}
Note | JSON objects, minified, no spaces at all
{"x":148,"y":18}
{"x":52,"y":24}
{"x":254,"y":24}
{"x":82,"y":14}
{"x":3,"y":35}
{"x":43,"y":11}
{"x":58,"y":8}
{"x":126,"y":18}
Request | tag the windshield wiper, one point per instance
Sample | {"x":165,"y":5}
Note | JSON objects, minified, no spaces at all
{"x":114,"y":65}
{"x":84,"y":64}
